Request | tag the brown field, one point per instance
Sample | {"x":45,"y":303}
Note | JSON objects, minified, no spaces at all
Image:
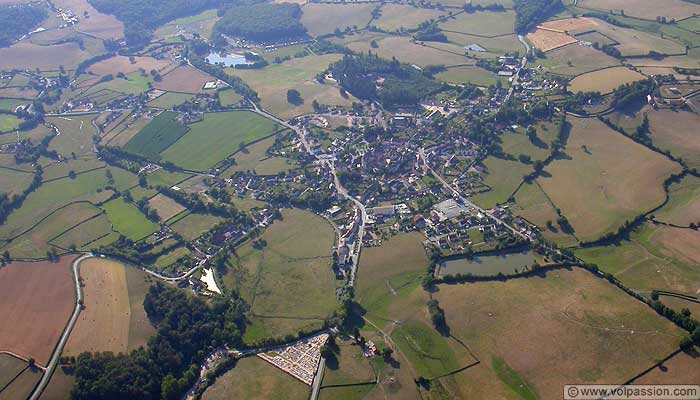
{"x":98,"y":24}
{"x":645,"y":9}
{"x":165,"y":206}
{"x":570,"y":25}
{"x":321,"y":19}
{"x":397,"y":16}
{"x":684,"y":367}
{"x":607,"y":179}
{"x":574,"y":60}
{"x":683,"y":205}
{"x":678,"y":132}
{"x":105,"y":321}
{"x":22,"y":387}
{"x":122,"y":64}
{"x":589,"y":329}
{"x":604,"y":80}
{"x":683,"y":243}
{"x":547,"y":40}
{"x":184,"y":80}
{"x":10,"y":367}
{"x":59,"y":386}
{"x":25,"y":55}
{"x":45,"y":291}
{"x":413,"y":53}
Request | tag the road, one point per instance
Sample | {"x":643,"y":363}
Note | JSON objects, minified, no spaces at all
{"x":317,"y":379}
{"x":53,"y":362}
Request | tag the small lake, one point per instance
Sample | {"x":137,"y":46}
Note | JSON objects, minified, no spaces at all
{"x":229,"y":60}
{"x":488,"y":265}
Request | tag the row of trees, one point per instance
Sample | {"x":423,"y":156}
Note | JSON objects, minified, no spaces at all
{"x":529,"y":13}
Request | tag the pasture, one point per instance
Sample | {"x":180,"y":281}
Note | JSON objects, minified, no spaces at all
{"x":468,"y":74}
{"x":10,"y":367}
{"x":654,"y":258}
{"x":24,"y":55}
{"x":604,"y":80}
{"x":127,"y":65}
{"x":547,"y":40}
{"x":480,"y":23}
{"x":576,"y":60}
{"x":45,"y":291}
{"x":262,"y":381}
{"x":162,"y":177}
{"x":184,"y":79}
{"x":273,"y":82}
{"x":129,"y":220}
{"x":254,"y":158}
{"x":573,"y":318}
{"x":495,"y":47}
{"x":158,"y":135}
{"x":405,"y":50}
{"x":85,"y":233}
{"x":637,"y":43}
{"x":683,"y":367}
{"x":194,"y":225}
{"x":288,"y":283}
{"x":683,"y":207}
{"x":59,"y":386}
{"x":8,"y":123}
{"x":502,"y":177}
{"x":22,"y":386}
{"x":107,"y":319}
{"x":322,"y":19}
{"x":676,"y":9}
{"x":165,"y":206}
{"x":201,"y":24}
{"x":14,"y":181}
{"x":217,"y":137}
{"x":677,"y":132}
{"x":169,"y":100}
{"x":350,"y":367}
{"x":606,"y":180}
{"x":229,"y":98}
{"x":532,"y":204}
{"x":395,"y":17}
{"x":75,"y":136}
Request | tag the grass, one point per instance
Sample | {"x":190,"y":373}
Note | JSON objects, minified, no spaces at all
{"x":229,"y":98}
{"x":481,"y":23}
{"x":405,"y":50}
{"x":289,"y":283}
{"x":533,"y":205}
{"x":169,"y":100}
{"x":322,"y":19}
{"x":128,"y":220}
{"x":262,"y":381}
{"x":575,"y":60}
{"x":606,"y":179}
{"x":157,"y":136}
{"x":8,"y":122}
{"x":604,"y":80}
{"x":165,"y":206}
{"x":75,"y":136}
{"x":255,"y":159}
{"x":162,"y":177}
{"x":683,"y":207}
{"x":503,"y":177}
{"x":512,"y":379}
{"x":427,"y":351}
{"x":351,"y":367}
{"x":84,"y":234}
{"x":171,"y":257}
{"x":396,"y":16}
{"x":217,"y":137}
{"x":346,"y":392}
{"x":194,"y":225}
{"x":13,"y":181}
{"x":468,"y":74}
{"x":676,"y":131}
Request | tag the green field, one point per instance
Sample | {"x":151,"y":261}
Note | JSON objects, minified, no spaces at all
{"x":229,"y":98}
{"x":169,"y":100}
{"x":128,"y":220}
{"x":75,"y":136}
{"x":194,"y":225}
{"x":503,"y":177}
{"x":157,"y":136}
{"x":683,"y":207}
{"x":83,"y":235}
{"x":469,"y":74}
{"x":322,"y":19}
{"x":8,"y":122}
{"x":162,"y":177}
{"x":349,"y":366}
{"x":13,"y":181}
{"x":428,"y":352}
{"x":255,"y":159}
{"x":217,"y":137}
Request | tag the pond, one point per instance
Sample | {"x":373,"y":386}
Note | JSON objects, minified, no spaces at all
{"x":229,"y":60}
{"x":488,"y":265}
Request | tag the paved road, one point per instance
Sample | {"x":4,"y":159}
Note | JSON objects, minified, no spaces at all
{"x":53,"y":362}
{"x":317,"y":379}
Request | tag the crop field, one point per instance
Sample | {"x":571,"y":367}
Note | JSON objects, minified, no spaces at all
{"x":10,"y":367}
{"x":570,"y":25}
{"x":101,"y":25}
{"x":652,"y":259}
{"x":184,"y":79}
{"x":75,"y":136}
{"x":397,"y":16}
{"x":584,"y":316}
{"x":607,"y":180}
{"x":123,"y":64}
{"x":255,"y":159}
{"x":683,"y":207}
{"x":194,"y":225}
{"x":533,"y":205}
{"x":217,"y":137}
{"x":165,"y":206}
{"x":169,"y":100}
{"x":321,"y":19}
{"x":481,"y":23}
{"x":113,"y":318}
{"x":575,"y":60}
{"x":273,"y":81}
{"x":637,"y":43}
{"x":43,"y":290}
{"x":503,"y":177}
{"x":262,"y":381}
{"x":161,"y":133}
{"x":604,"y":80}
{"x":25,"y":55}
{"x":289,"y":283}
{"x":129,"y":220}
{"x":677,"y":9}
{"x":547,"y":40}
{"x":468,"y":74}
{"x":22,"y":386}
{"x":677,"y":132}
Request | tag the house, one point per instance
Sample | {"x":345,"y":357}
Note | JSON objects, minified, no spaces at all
{"x":474,"y":47}
{"x":506,"y":73}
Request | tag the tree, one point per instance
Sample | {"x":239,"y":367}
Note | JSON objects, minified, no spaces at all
{"x":387,"y":353}
{"x":294,"y":97}
{"x":326,"y":351}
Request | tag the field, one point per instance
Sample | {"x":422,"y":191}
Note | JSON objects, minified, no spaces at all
{"x":604,"y":80}
{"x":468,"y":74}
{"x":46,"y":292}
{"x":165,"y":178}
{"x":575,"y":60}
{"x":533,"y":205}
{"x":101,"y":25}
{"x":8,"y":123}
{"x":262,"y":381}
{"x":652,"y":259}
{"x":273,"y":81}
{"x":75,"y":136}
{"x":570,"y":25}
{"x":217,"y":137}
{"x":495,"y":47}
{"x":165,"y":206}
{"x":396,"y":16}
{"x":13,"y":181}
{"x":323,"y":19}
{"x":169,"y":100}
{"x":677,"y":132}
{"x":123,"y":64}
{"x":547,"y":40}
{"x":184,"y":79}
{"x":22,"y":386}
{"x":289,"y":283}
{"x":683,"y":367}
{"x":202,"y":24}
{"x":677,"y":9}
{"x":158,"y":135}
{"x":193,"y":226}
{"x":25,"y":55}
{"x":573,"y":319}
{"x":255,"y":159}
{"x":59,"y":386}
{"x":637,"y":43}
{"x":113,"y":310}
{"x":503,"y":177}
{"x":229,"y":98}
{"x":84,"y":234}
{"x":10,"y":367}
{"x":683,"y":207}
{"x":349,"y":367}
{"x":409,"y":52}
{"x":128,"y":220}
{"x":481,"y":23}
{"x":606,"y":180}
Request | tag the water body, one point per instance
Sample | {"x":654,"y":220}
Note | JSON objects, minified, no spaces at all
{"x":488,"y":265}
{"x":229,"y":60}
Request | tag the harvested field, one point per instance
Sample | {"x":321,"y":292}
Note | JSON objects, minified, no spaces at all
{"x":184,"y":79}
{"x":604,"y":80}
{"x":481,"y":23}
{"x":59,"y":386}
{"x":397,"y":16}
{"x":547,"y":40}
{"x":123,"y":64}
{"x":677,"y":132}
{"x":575,"y":60}
{"x":165,"y":206}
{"x":677,"y":9}
{"x":106,"y":322}
{"x":570,"y":25}
{"x":25,"y":55}
{"x":10,"y":367}
{"x":321,"y":19}
{"x":43,"y":290}
{"x":22,"y":386}
{"x":683,"y":207}
{"x":607,"y":180}
{"x":573,"y":317}
{"x":101,"y":25}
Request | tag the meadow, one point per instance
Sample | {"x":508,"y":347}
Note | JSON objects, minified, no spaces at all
{"x":184,"y":79}
{"x":604,"y":80}
{"x":75,"y":136}
{"x":576,"y":60}
{"x":481,"y":23}
{"x":395,"y":17}
{"x":532,"y":204}
{"x":129,"y":220}
{"x":676,"y":9}
{"x":503,"y":177}
{"x":469,"y":74}
{"x":255,"y":159}
{"x":322,"y":19}
{"x":217,"y":137}
{"x":677,"y":132}
{"x":165,"y":206}
{"x":169,"y":100}
{"x":193,"y":225}
{"x":349,"y":365}
{"x":683,"y":207}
